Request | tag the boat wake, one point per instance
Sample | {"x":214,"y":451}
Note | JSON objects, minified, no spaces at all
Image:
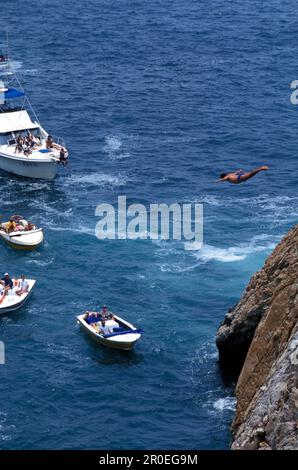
{"x":38,"y":262}
{"x":81,"y":229}
{"x":96,"y":179}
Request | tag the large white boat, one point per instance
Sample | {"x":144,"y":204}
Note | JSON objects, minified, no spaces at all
{"x":26,"y":149}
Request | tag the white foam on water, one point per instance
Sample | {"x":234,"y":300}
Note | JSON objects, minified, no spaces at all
{"x":235,"y":253}
{"x":177,"y":268}
{"x":96,"y":179}
{"x":208,"y":253}
{"x":113,"y":143}
{"x":211,"y":200}
{"x":30,"y":71}
{"x":40,"y":263}
{"x":263,"y":201}
{"x":82,"y":229}
{"x":225,"y":404}
{"x":5,"y":429}
{"x":113,"y":147}
{"x":48,"y":209}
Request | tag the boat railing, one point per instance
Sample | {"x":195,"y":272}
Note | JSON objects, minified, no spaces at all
{"x":59,"y":141}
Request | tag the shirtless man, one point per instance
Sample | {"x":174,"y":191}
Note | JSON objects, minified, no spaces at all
{"x":240,"y":176}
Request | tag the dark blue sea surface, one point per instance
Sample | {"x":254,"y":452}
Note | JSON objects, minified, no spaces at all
{"x":154,"y":100}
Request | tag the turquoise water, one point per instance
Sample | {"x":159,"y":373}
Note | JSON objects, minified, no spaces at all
{"x":154,"y":100}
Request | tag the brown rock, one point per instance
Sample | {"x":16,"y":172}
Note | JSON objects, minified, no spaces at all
{"x":237,"y":330}
{"x":261,"y":332}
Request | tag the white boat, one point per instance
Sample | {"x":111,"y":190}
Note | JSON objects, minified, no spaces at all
{"x":41,"y":160}
{"x":124,"y":335}
{"x":22,"y":238}
{"x":12,"y":301}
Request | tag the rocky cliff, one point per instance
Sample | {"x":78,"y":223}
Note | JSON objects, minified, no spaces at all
{"x":259,"y":337}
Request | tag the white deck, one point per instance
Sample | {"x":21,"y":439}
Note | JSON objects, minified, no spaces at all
{"x":36,"y":155}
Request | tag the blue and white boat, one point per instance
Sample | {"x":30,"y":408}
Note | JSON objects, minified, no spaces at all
{"x":122,"y":335}
{"x":42,"y":158}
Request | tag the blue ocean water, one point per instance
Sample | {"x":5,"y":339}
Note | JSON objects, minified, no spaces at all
{"x":154,"y":100}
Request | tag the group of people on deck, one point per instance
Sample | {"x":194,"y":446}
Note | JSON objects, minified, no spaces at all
{"x":7,"y":285}
{"x":100,"y":319}
{"x":30,"y":142}
{"x":27,"y":144}
{"x":13,"y":226}
{"x":3,"y":58}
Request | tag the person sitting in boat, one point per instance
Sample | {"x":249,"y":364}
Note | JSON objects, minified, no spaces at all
{"x":7,"y":283}
{"x":104,"y":328}
{"x":24,"y":286}
{"x":30,"y":226}
{"x":30,"y":140}
{"x":50,"y":144}
{"x":23,"y":223}
{"x":92,"y":317}
{"x":19,"y":145}
{"x":27,"y":149}
{"x":106,"y":314}
{"x":11,"y":226}
{"x":104,"y":311}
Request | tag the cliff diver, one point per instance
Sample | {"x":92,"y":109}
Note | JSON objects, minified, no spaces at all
{"x":240,"y":176}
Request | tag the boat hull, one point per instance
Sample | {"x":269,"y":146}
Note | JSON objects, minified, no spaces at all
{"x":124,"y":343}
{"x":30,"y":169}
{"x":27,"y":241}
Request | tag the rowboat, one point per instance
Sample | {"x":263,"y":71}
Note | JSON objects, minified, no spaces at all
{"x":123,"y":334}
{"x":22,"y":238}
{"x":12,"y":301}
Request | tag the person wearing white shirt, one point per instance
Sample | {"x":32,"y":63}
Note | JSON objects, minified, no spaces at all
{"x":104,"y":329}
{"x":24,"y":286}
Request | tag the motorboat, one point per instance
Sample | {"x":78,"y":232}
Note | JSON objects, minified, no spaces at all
{"x":12,"y":301}
{"x":26,"y":149}
{"x":121,"y":334}
{"x":24,"y":236}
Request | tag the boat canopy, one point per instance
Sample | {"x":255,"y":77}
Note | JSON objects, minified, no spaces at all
{"x":12,"y":93}
{"x":16,"y":121}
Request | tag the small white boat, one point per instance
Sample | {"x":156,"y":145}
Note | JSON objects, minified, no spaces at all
{"x":123,"y":336}
{"x":12,"y":301}
{"x":23,"y":237}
